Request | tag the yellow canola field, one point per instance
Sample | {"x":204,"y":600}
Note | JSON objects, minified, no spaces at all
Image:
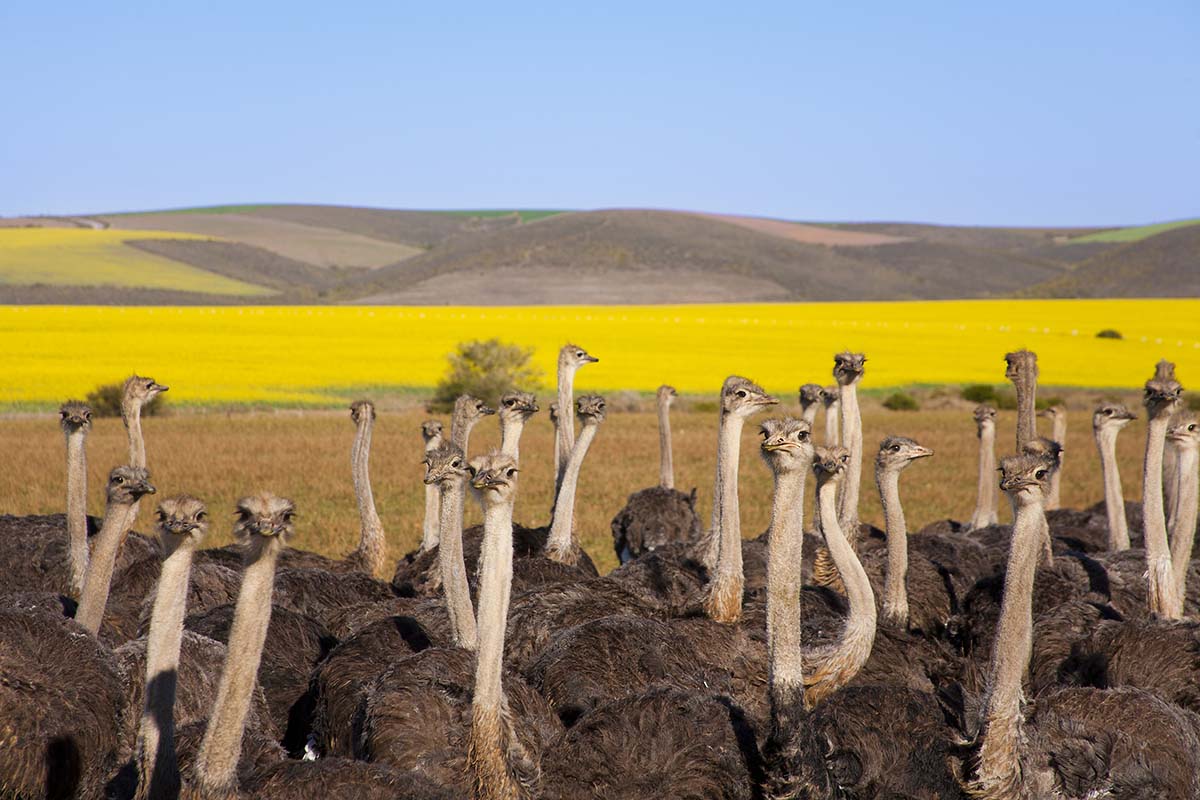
{"x":85,"y":257}
{"x":326,"y":355}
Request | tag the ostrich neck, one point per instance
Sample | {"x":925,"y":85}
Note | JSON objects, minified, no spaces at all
{"x":370,"y":553}
{"x":460,"y":429}
{"x":834,"y":667}
{"x":157,"y":769}
{"x":985,"y":502}
{"x":1001,"y":737}
{"x":1114,"y":500}
{"x":833,"y":413}
{"x":1054,"y":498}
{"x":561,"y":544}
{"x":495,"y":585}
{"x":118,"y":518}
{"x":895,"y":592}
{"x":1162,"y":595}
{"x":784,"y":547}
{"x":666,"y":465}
{"x":564,"y":421}
{"x":510,"y":435}
{"x":1170,"y":483}
{"x":1026,"y":389}
{"x":1183,"y":527}
{"x":852,"y":436}
{"x":452,"y":565}
{"x":216,"y":763}
{"x":724,"y":556}
{"x":809,"y":414}
{"x":431,"y":526}
{"x":131,"y":414}
{"x":77,"y":509}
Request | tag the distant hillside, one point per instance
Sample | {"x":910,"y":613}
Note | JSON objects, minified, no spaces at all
{"x":316,"y":254}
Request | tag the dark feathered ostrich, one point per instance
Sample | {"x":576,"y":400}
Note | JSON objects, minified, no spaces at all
{"x":660,"y":514}
{"x":1068,"y":742}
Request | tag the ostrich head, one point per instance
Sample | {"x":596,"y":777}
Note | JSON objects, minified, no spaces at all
{"x":1053,"y":412}
{"x":1047,"y":448}
{"x":848,"y":367}
{"x":1184,"y":432}
{"x":829,"y":463}
{"x":264,"y":514}
{"x":431,"y":429}
{"x":1162,"y":397}
{"x":494,"y":478}
{"x":182,"y":517}
{"x":472,"y":409}
{"x":444,"y":462}
{"x":810,"y":393}
{"x":1111,"y":416}
{"x":666,"y":394}
{"x":984,"y":415}
{"x":553,"y":412}
{"x":362,"y":410}
{"x":1021,"y":365}
{"x":516,"y":405}
{"x":590,"y":408}
{"x":127,"y":485}
{"x":743,"y":397}
{"x":829,"y":395}
{"x":140,"y":391}
{"x":574,"y":356}
{"x":897,"y":452}
{"x":1026,"y":478}
{"x":1164,"y":370}
{"x":75,"y":416}
{"x":787,"y":444}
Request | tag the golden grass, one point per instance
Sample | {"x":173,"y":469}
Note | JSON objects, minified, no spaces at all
{"x":84,"y":257}
{"x":305,"y":455}
{"x":327,"y":355}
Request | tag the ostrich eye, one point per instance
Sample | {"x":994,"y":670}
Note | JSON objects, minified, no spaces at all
{"x":802,"y":436}
{"x":1108,"y":412}
{"x":162,"y":515}
{"x":456,"y":462}
{"x":200,"y":517}
{"x":1192,"y":427}
{"x":512,"y":472}
{"x":1041,"y":473}
{"x":895,"y":448}
{"x":119,"y":479}
{"x":580,"y":354}
{"x":741,"y":393}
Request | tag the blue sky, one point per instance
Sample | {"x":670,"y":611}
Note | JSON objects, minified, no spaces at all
{"x":969,"y":113}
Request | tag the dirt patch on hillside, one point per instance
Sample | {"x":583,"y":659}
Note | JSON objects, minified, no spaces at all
{"x":809,"y":234}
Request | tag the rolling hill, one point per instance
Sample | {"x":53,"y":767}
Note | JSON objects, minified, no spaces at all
{"x":340,"y":254}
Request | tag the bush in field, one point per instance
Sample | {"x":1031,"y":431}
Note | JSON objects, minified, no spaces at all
{"x":1109,"y":333}
{"x":1193,"y":402}
{"x":486,"y":369}
{"x":979,"y":393}
{"x":1005,"y":400}
{"x":901,"y":401}
{"x":1046,"y":402}
{"x":105,"y":401}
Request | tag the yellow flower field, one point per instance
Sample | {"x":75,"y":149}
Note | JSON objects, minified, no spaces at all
{"x":84,"y":257}
{"x":326,"y":355}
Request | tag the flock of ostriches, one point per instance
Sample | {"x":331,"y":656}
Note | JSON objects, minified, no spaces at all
{"x":1058,"y":657}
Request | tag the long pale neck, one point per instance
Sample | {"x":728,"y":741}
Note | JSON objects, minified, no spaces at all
{"x":460,"y":430}
{"x":1026,"y":390}
{"x":77,"y":553}
{"x":985,"y":502}
{"x":852,"y":436}
{"x":666,"y":464}
{"x":431,"y":528}
{"x":561,"y":544}
{"x":784,"y":547}
{"x":833,"y":413}
{"x":809,"y":414}
{"x":1183,"y":526}
{"x":1054,"y":497}
{"x":511,"y":429}
{"x":1170,"y":483}
{"x":837,"y":666}
{"x":1002,"y":738}
{"x":216,"y":763}
{"x":1163,"y":598}
{"x":131,"y":414}
{"x":1114,"y":500}
{"x":724,"y":600}
{"x":564,"y":421}
{"x":158,"y":772}
{"x":370,"y":553}
{"x":452,"y":565}
{"x":118,"y":519}
{"x":895,"y":591}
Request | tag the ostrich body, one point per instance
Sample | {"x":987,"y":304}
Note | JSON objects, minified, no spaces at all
{"x":833,"y":415}
{"x":1161,"y":399}
{"x":1057,"y":414}
{"x":562,"y":545}
{"x":659,"y":515}
{"x":811,"y":398}
{"x":468,"y":411}
{"x":1073,"y":742}
{"x":1184,"y":436}
{"x":126,"y":486}
{"x":431,"y":432}
{"x":1107,"y":421}
{"x":516,"y":409}
{"x":76,"y":420}
{"x":570,"y":359}
{"x":848,"y":371}
{"x":985,"y":502}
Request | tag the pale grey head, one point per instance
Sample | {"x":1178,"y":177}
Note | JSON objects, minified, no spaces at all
{"x":127,"y":485}
{"x":897,"y":452}
{"x":264,"y":514}
{"x":786,"y":444}
{"x":848,"y":367}
{"x":744,"y":397}
{"x":75,"y":416}
{"x":362,"y":411}
{"x":182,"y":516}
{"x":444,"y":462}
{"x":1111,"y":416}
{"x":515,"y":405}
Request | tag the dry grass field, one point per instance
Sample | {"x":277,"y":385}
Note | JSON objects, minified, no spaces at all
{"x":305,"y":455}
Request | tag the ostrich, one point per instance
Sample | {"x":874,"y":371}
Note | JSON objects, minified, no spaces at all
{"x":833,"y":414}
{"x":76,"y":422}
{"x":1184,"y":435}
{"x":1022,"y":369}
{"x":659,"y":515}
{"x":371,"y":554}
{"x":516,"y":408}
{"x":1107,"y":421}
{"x":811,"y":395}
{"x":1057,"y":414}
{"x":740,"y":399}
{"x":447,"y":469}
{"x":468,"y":411}
{"x":136,"y":394}
{"x":570,"y":359}
{"x":431,"y":432}
{"x":1073,"y":742}
{"x":848,"y":371}
{"x":1161,"y":399}
{"x":126,"y":486}
{"x":562,"y":544}
{"x":985,"y":503}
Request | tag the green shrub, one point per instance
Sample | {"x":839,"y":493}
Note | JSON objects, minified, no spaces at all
{"x":486,"y":369}
{"x":901,"y":402}
{"x":1005,"y":400}
{"x":1109,"y":333}
{"x":105,"y":401}
{"x":1046,"y":402}
{"x":1193,"y":402}
{"x":979,"y":393}
{"x":704,"y":406}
